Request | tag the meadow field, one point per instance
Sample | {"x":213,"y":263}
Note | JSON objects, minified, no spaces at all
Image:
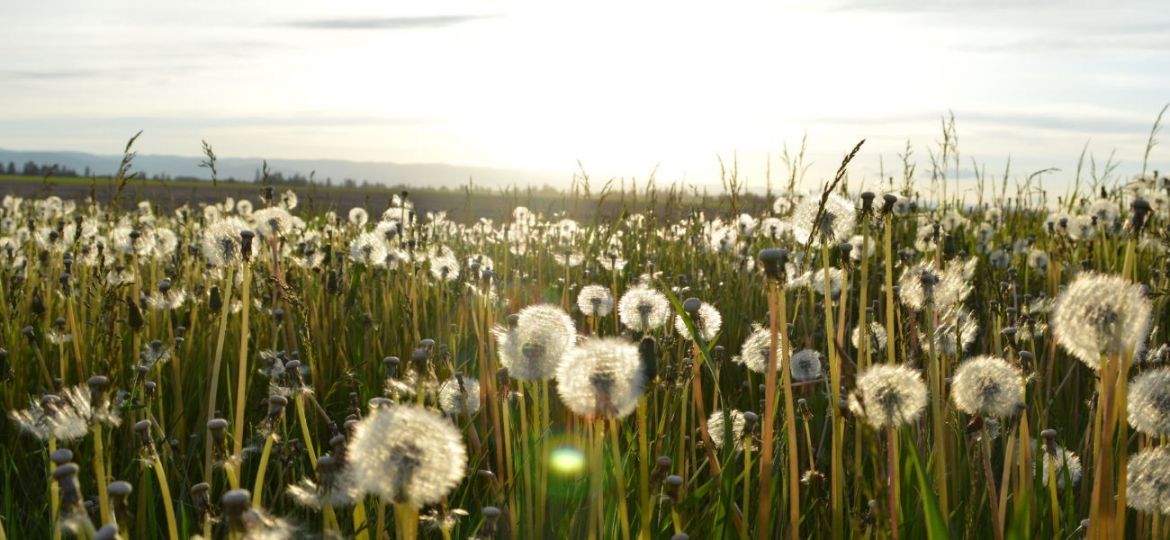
{"x":890,"y":361}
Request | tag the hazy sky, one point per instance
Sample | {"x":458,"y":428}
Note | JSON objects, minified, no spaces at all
{"x":621,"y":86}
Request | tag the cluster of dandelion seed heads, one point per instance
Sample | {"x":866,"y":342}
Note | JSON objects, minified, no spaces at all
{"x":988,"y":386}
{"x":533,"y":349}
{"x":406,"y":454}
{"x":601,"y":378}
{"x":1100,"y":315}
{"x":595,"y":301}
{"x":888,"y":396}
{"x":643,"y":309}
{"x":708,"y":321}
{"x":1149,"y":402}
{"x":67,"y":417}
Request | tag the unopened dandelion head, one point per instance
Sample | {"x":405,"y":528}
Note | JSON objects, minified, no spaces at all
{"x":406,"y":454}
{"x":1100,"y":315}
{"x":988,"y":386}
{"x":601,"y":378}
{"x":888,"y":396}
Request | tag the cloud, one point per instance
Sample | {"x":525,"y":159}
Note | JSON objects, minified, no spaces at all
{"x":385,"y":23}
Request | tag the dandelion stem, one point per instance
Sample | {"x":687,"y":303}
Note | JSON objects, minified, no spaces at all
{"x":242,"y":367}
{"x":620,"y":479}
{"x":216,"y":365}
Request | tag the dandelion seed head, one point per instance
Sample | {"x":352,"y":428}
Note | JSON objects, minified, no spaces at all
{"x":406,"y":454}
{"x":875,"y":334}
{"x":1065,"y":463}
{"x":601,"y":378}
{"x":888,"y":396}
{"x":832,"y":227}
{"x":1099,"y":315}
{"x":756,"y":349}
{"x":806,"y":365}
{"x":1149,"y":402}
{"x":707,"y":323}
{"x":459,"y":399}
{"x":643,"y":309}
{"x":595,"y":301}
{"x":222,"y":243}
{"x":1148,"y":481}
{"x":272,"y":222}
{"x":368,"y":249}
{"x":988,"y":386}
{"x":718,"y":430}
{"x":534,"y":347}
{"x":358,"y":217}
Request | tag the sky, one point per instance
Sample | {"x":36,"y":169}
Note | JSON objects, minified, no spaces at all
{"x":621,"y":88}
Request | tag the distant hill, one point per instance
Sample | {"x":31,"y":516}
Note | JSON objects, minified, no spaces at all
{"x":245,"y":169}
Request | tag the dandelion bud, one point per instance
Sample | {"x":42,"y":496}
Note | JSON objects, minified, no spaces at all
{"x":692,"y":305}
{"x":151,"y":390}
{"x":661,"y":468}
{"x":845,"y":248}
{"x":215,"y":302}
{"x":419,"y":359}
{"x":134,"y":319}
{"x":235,"y":504}
{"x":30,"y":335}
{"x":491,"y":516}
{"x":107,"y":532}
{"x":246,"y":237}
{"x":276,"y":405}
{"x":888,"y":201}
{"x":673,"y":487}
{"x":867,"y":201}
{"x":1141,"y":209}
{"x":391,"y":363}
{"x":648,"y":353}
{"x":97,"y":386}
{"x":66,"y":477}
{"x":142,"y":428}
{"x":774,"y":260}
{"x":750,"y":419}
{"x":61,"y":456}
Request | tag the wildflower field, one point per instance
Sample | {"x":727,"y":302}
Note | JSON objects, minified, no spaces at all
{"x":891,"y":361}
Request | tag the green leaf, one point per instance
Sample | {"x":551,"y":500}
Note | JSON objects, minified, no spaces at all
{"x":936,"y":526}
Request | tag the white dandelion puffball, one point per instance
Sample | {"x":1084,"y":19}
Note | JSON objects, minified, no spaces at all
{"x":757,"y":347}
{"x":806,"y":365}
{"x":1100,"y":315}
{"x":888,"y":396}
{"x":988,"y":386}
{"x":456,"y":398}
{"x":833,"y":226}
{"x":875,"y":334}
{"x":406,"y":454}
{"x":707,"y":322}
{"x":595,"y":301}
{"x":643,"y":309}
{"x":222,"y":243}
{"x":601,"y":378}
{"x":533,"y":349}
{"x":1148,"y":481}
{"x":718,"y":430}
{"x":1067,"y":465}
{"x":1149,"y":402}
